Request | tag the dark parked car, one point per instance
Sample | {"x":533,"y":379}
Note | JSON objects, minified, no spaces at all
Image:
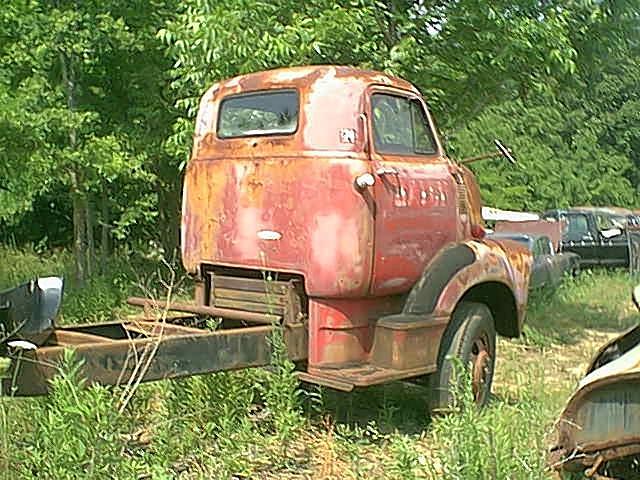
{"x":548,"y":267}
{"x":601,"y":236}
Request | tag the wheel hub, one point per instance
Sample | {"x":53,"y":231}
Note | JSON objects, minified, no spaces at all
{"x":481,"y":360}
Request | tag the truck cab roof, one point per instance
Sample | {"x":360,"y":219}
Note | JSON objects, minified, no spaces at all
{"x":291,"y":112}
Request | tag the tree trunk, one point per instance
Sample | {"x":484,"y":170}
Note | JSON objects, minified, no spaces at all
{"x":91,"y":244}
{"x":79,"y":228}
{"x":78,"y":195}
{"x":169,"y":189}
{"x":104,"y":228}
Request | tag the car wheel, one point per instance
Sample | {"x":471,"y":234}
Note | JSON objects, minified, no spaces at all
{"x":469,"y":340}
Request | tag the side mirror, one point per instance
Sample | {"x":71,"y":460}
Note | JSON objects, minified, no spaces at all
{"x":636,"y":296}
{"x":505,"y":151}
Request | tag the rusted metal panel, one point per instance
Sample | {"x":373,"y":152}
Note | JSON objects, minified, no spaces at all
{"x":289,"y":314}
{"x":415,"y":201}
{"x":69,"y":338}
{"x":505,"y":262}
{"x":229,"y":201}
{"x":273,"y":297}
{"x":364,"y":375}
{"x":242,"y":284}
{"x":155,"y":357}
{"x":406,"y":342}
{"x":231,"y":304}
{"x":325,"y":381}
{"x":341,"y":331}
{"x":601,"y":421}
{"x":296,"y":339}
{"x":236,"y":188}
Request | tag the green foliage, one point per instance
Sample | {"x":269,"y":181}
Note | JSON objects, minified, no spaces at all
{"x":97,"y":100}
{"x":426,"y":44}
{"x":280,"y":390}
{"x":576,"y":143}
{"x":78,"y":431}
{"x":99,"y":301}
{"x":501,"y":442}
{"x":85,"y":117}
{"x":578,"y":305}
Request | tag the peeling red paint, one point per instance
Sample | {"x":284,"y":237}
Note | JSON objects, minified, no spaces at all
{"x":358,"y":250}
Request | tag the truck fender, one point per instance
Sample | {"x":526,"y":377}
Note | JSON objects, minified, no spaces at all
{"x":489,"y":272}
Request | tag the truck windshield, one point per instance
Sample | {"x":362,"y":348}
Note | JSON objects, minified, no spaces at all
{"x":264,"y":113}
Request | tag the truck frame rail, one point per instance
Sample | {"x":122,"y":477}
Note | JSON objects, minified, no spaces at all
{"x":142,"y":349}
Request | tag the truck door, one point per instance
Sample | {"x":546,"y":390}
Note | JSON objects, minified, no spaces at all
{"x":414,"y":191}
{"x":614,"y":242}
{"x":581,"y":237}
{"x":541,"y":268}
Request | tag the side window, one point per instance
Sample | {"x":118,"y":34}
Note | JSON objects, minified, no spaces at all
{"x":424,"y":143}
{"x":578,"y":224}
{"x":400,"y":126}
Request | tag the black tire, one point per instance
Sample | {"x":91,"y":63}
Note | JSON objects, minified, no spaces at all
{"x":471,"y":338}
{"x":575,"y":271}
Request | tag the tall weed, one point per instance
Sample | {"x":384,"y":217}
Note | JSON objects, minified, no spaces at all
{"x":77,"y":432}
{"x":503,"y":441}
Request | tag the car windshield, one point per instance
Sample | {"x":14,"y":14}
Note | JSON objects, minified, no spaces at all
{"x":265,"y":113}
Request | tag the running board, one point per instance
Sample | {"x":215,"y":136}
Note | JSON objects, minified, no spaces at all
{"x":365,"y":375}
{"x":324,"y":381}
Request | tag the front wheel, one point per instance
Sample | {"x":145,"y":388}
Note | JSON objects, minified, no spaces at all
{"x":470,"y":338}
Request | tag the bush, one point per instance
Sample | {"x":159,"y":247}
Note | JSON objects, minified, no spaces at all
{"x":502,"y":441}
{"x":78,"y":432}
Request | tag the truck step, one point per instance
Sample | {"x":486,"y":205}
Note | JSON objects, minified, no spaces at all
{"x":404,"y":342}
{"x":364,"y":375}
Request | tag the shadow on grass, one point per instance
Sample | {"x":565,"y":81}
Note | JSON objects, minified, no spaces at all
{"x":396,"y":406}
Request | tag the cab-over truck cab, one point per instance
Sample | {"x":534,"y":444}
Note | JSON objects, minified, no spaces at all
{"x":322,"y":196}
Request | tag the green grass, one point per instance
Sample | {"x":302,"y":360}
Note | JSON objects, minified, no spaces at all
{"x":258,"y":424}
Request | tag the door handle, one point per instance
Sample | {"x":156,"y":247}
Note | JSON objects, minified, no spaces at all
{"x":386,"y":171}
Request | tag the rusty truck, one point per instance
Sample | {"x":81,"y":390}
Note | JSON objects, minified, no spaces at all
{"x":319,"y":201}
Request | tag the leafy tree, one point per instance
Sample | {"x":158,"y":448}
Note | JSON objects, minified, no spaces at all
{"x":578,"y":143}
{"x":97,"y":99}
{"x":85,"y":81}
{"x":464,"y":55}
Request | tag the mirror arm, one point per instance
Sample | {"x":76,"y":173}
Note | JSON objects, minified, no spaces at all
{"x":502,"y":152}
{"x":480,"y":157}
